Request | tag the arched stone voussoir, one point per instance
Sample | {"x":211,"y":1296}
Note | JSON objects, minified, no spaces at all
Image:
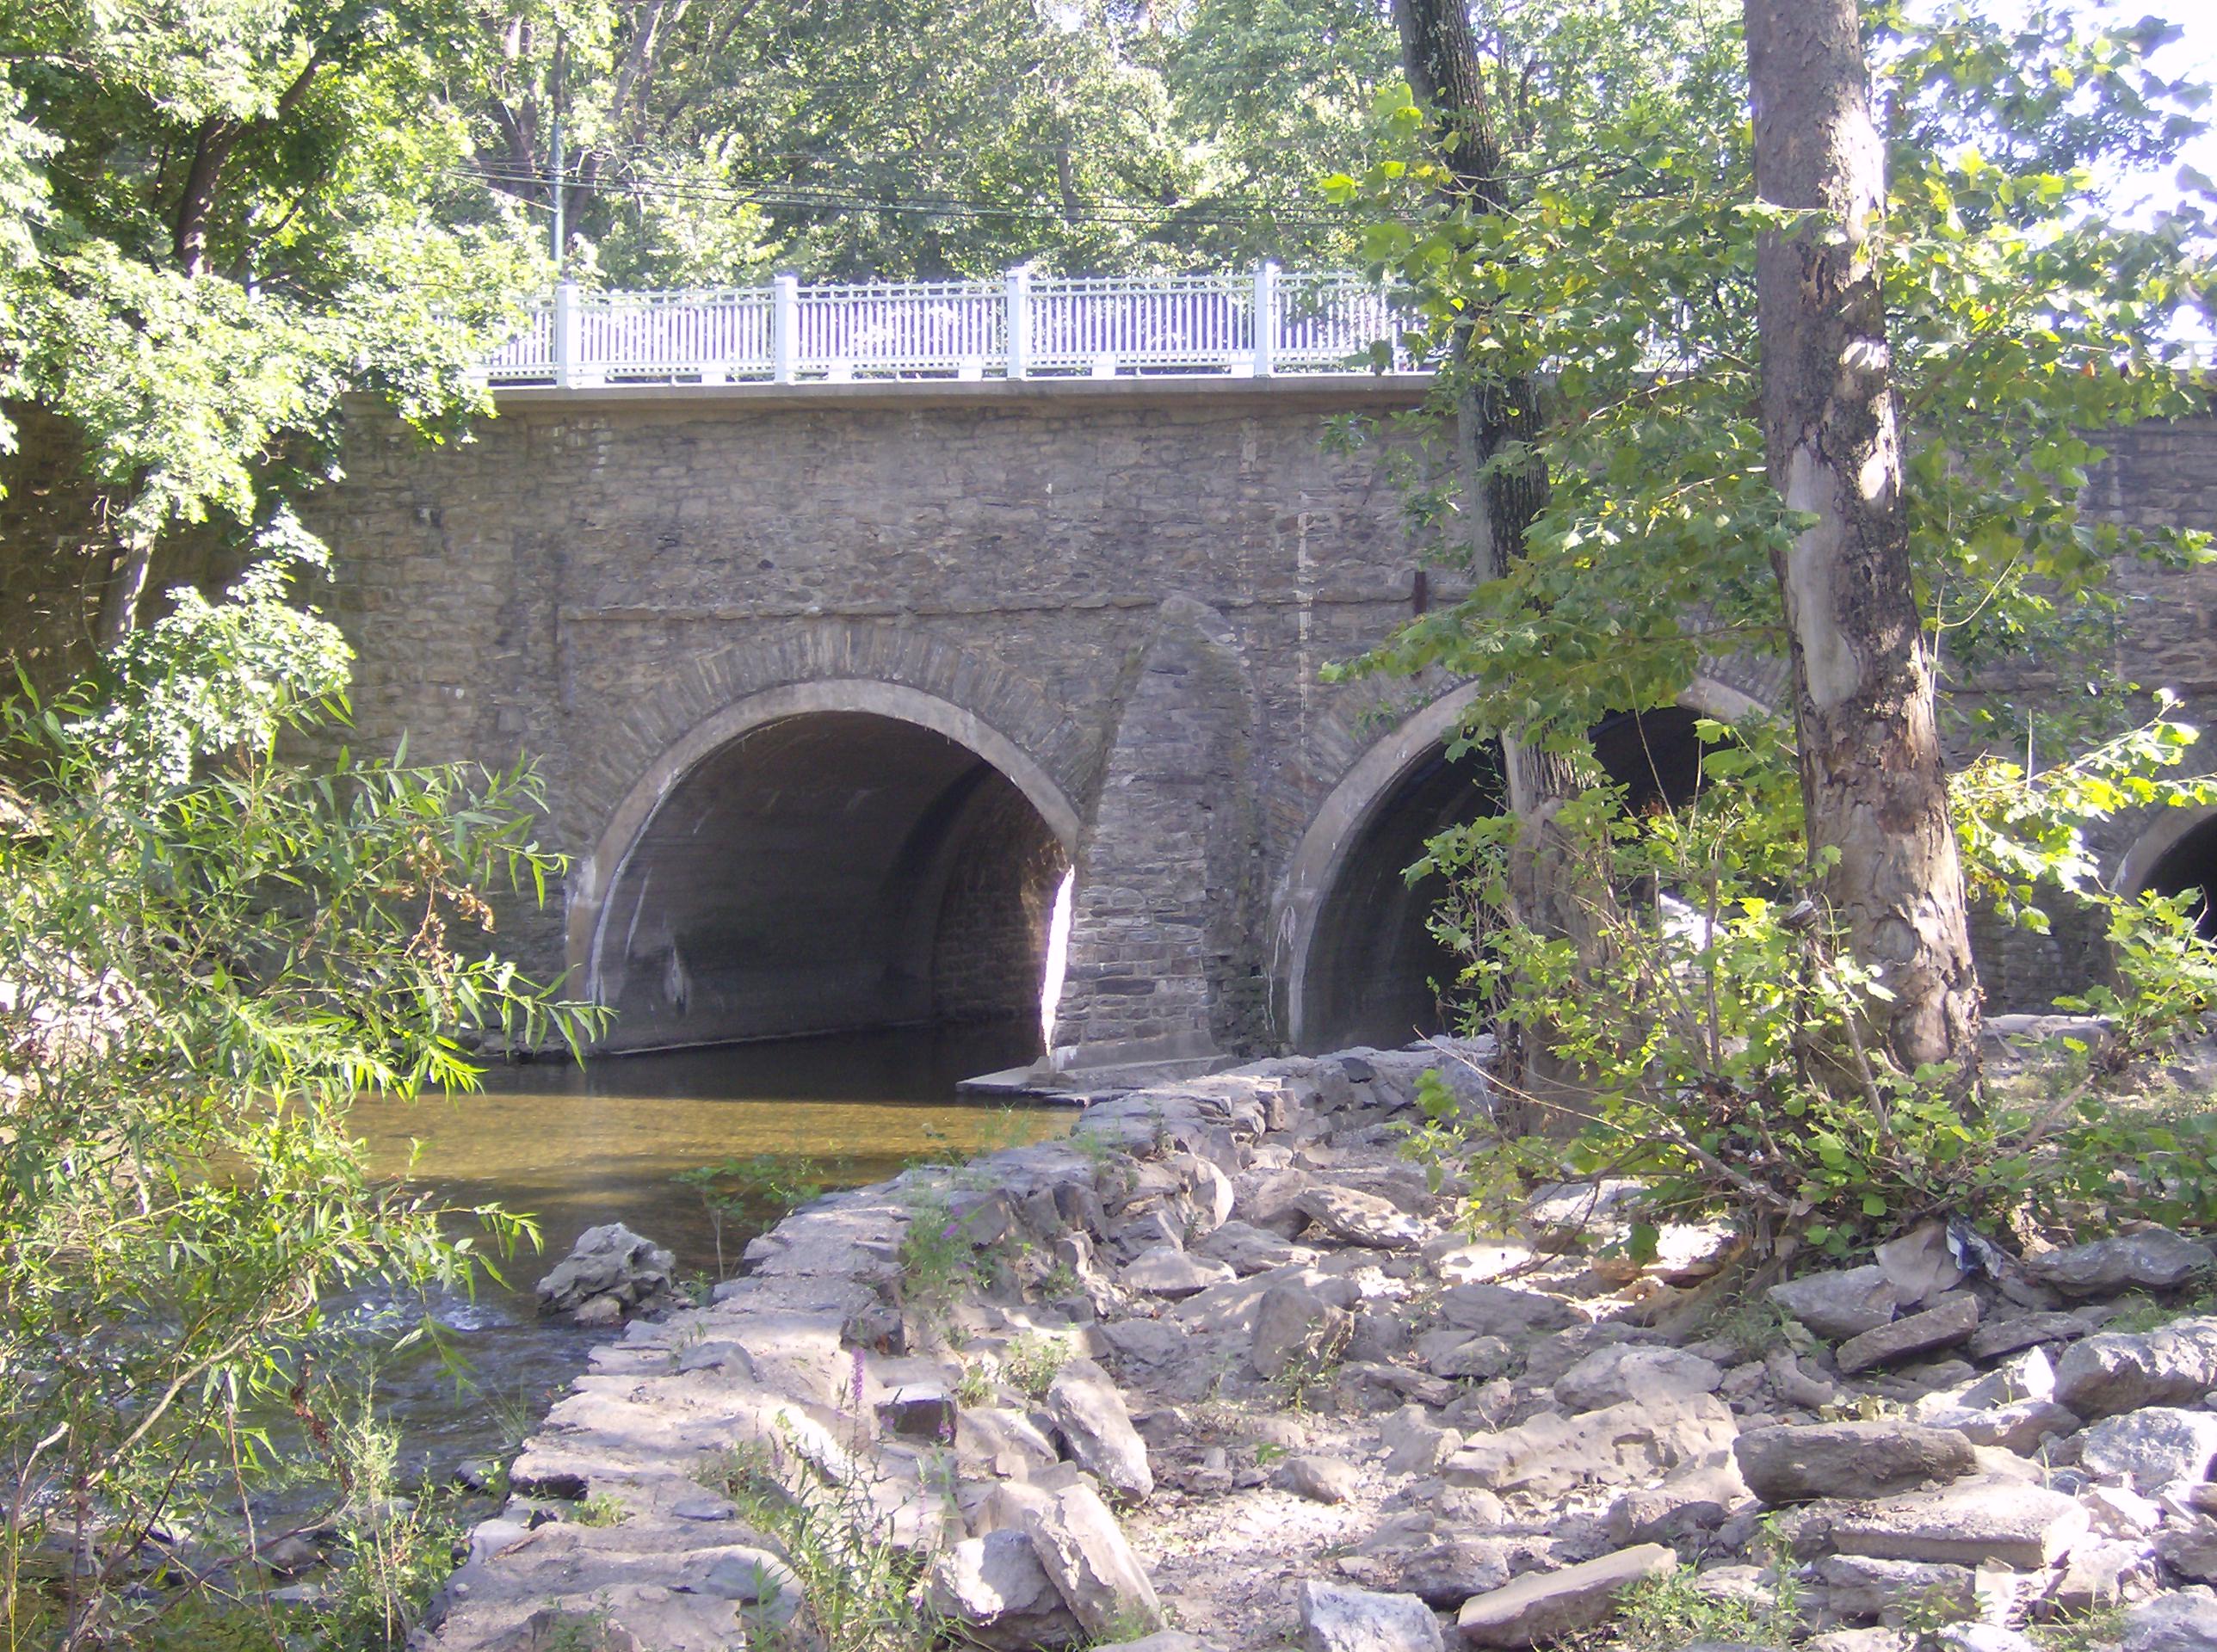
{"x":998,"y":715}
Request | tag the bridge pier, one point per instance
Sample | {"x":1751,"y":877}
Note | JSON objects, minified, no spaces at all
{"x":1164,"y":958}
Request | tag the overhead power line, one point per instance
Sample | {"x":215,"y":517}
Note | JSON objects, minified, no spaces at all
{"x":833,"y":199}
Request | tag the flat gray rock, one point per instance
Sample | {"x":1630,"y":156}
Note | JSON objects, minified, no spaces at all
{"x":2147,"y":1258}
{"x":1246,"y":1248}
{"x":1336,"y":1619}
{"x":1359,"y":1218}
{"x":1971,"y":1522}
{"x":1631,"y":1372}
{"x":1548,"y":1605}
{"x":1550,"y":1454}
{"x":1503,"y":1310}
{"x":1839,"y":1304}
{"x":1861,"y":1586}
{"x":1854,"y":1460}
{"x":1950,"y":1321}
{"x":1166,"y":1271}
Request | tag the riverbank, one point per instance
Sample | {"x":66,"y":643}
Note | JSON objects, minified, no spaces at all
{"x":1214,"y":1363}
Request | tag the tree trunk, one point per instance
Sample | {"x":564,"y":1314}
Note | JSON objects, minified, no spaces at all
{"x":1439,"y":53}
{"x":126,"y":588}
{"x":1873,"y":786}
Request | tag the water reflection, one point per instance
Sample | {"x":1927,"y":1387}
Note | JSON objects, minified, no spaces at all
{"x":580,"y":1147}
{"x":575,"y":1148}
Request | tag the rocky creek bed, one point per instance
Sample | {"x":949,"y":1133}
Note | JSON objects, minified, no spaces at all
{"x":1223,"y":1376}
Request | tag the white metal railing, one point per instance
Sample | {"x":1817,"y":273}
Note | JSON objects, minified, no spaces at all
{"x":1255,"y":323}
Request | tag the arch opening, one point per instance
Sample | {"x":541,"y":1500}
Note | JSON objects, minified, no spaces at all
{"x":1372,"y":973}
{"x":2189,"y":863}
{"x":830,"y":871}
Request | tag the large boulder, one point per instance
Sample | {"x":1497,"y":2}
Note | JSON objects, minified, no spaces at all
{"x":2147,"y":1258}
{"x":995,"y":1587}
{"x":1840,"y":1304}
{"x":611,"y":1261}
{"x":1971,"y":1522}
{"x":1503,"y":1311}
{"x":1358,"y":1218}
{"x":1550,"y":1454}
{"x":1082,"y":1550}
{"x":1090,"y":1415}
{"x":1849,"y":1459}
{"x":2149,"y":1448}
{"x":1949,"y":1321}
{"x":2118,"y":1371}
{"x":1335,"y":1618}
{"x":1541,"y":1607}
{"x":1294,"y":1322}
{"x":1625,"y":1373}
{"x":2185,"y":1620}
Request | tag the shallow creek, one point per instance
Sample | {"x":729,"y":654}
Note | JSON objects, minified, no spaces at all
{"x":578,"y":1146}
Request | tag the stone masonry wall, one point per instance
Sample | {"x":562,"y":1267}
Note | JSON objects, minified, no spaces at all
{"x":587,"y":581}
{"x":591,"y":579}
{"x":991,"y":950}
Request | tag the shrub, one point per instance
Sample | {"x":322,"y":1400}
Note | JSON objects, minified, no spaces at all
{"x":1718,"y":1027}
{"x":757,"y":1191}
{"x":209,"y":950}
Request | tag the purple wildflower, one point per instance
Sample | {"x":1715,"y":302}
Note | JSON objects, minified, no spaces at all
{"x":856,"y":1385}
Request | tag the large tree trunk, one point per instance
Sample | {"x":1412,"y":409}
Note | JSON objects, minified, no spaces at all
{"x":1873,"y":784}
{"x":1439,"y":53}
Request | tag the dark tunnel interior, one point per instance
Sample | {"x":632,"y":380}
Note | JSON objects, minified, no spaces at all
{"x":1375,"y":970}
{"x":2191,"y":863}
{"x":834,"y":872}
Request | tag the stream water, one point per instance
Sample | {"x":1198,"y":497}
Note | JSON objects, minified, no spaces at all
{"x":577,"y":1147}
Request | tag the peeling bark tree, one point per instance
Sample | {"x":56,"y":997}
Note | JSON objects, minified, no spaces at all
{"x":1439,"y":54}
{"x":1873,"y":786}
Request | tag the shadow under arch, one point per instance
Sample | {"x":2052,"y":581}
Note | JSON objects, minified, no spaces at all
{"x":1350,"y":951}
{"x":2176,"y":853}
{"x":827,"y":856}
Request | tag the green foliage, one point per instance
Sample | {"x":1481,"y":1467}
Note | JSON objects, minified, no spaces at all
{"x":759,"y":1190}
{"x":857,"y":1583}
{"x":1032,"y":1360}
{"x":939,"y":1260}
{"x":601,"y":1508}
{"x":974,"y":1388}
{"x":400,"y":1548}
{"x":1716,"y":1025}
{"x":2025,"y":319}
{"x":216,"y":222}
{"x":1314,"y":1363}
{"x":1671,"y":1610}
{"x":209,"y":950}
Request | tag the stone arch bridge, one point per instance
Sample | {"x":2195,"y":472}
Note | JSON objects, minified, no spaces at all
{"x":833,"y":684}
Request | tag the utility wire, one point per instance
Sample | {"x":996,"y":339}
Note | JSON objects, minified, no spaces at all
{"x":833,"y":199}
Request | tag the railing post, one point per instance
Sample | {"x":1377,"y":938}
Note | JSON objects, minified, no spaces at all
{"x":565,"y":333}
{"x":1266,"y":316}
{"x":1020,"y":323}
{"x":784,"y":328}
